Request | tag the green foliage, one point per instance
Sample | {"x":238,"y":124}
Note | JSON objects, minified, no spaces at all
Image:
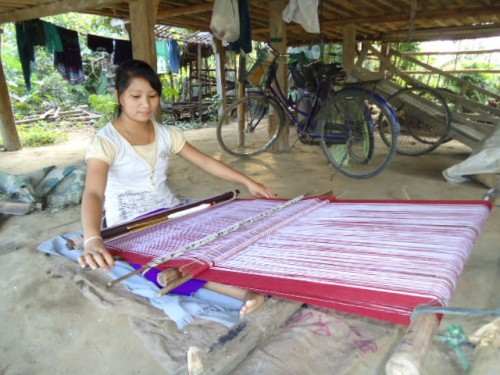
{"x":105,"y":105}
{"x":40,"y":134}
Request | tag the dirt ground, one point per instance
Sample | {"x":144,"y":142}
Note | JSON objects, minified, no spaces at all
{"x":48,"y":327}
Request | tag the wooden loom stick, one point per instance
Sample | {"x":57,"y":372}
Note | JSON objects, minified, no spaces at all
{"x":153,"y":219}
{"x":410,"y":354}
{"x":207,"y":239}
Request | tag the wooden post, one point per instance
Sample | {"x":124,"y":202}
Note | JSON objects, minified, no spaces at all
{"x":200,"y":91}
{"x":240,"y":88}
{"x":349,"y":47}
{"x":142,"y":14}
{"x":220,"y":74}
{"x":277,"y":35}
{"x":11,"y":141}
{"x":411,"y":352}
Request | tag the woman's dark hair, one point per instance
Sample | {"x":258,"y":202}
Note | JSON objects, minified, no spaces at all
{"x":131,"y":69}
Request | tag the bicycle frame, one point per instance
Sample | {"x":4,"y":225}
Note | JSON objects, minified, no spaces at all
{"x":289,"y":107}
{"x":323,"y":90}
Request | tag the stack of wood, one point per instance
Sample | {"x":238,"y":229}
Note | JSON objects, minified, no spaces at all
{"x":80,"y":114}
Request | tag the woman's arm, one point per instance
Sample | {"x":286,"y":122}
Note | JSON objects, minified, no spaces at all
{"x":223,"y":171}
{"x":95,"y":253}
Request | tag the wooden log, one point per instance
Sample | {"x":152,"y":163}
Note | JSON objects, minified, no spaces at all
{"x":410,"y":354}
{"x":223,"y":356}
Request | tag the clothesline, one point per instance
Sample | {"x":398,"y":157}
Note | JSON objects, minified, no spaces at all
{"x":64,"y":44}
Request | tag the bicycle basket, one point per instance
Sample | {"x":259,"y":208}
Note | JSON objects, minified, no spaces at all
{"x":303,"y":76}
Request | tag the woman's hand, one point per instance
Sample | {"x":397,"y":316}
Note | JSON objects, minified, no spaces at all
{"x":95,"y":255}
{"x":259,"y":190}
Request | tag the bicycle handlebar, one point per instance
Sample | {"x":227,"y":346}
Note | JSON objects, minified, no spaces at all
{"x":274,"y":51}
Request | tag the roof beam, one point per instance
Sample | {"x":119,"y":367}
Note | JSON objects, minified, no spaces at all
{"x":437,"y":14}
{"x":53,"y":9}
{"x":445,"y":33}
{"x":184,"y":11}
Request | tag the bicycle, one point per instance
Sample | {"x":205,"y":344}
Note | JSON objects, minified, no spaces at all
{"x":344,"y":123}
{"x":424,"y":118}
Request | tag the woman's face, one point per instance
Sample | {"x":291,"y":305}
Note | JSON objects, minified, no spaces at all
{"x":139,"y":101}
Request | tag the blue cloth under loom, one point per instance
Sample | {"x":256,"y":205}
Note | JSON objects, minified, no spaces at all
{"x":204,"y":304}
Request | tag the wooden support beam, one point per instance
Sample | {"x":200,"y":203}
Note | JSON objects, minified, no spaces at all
{"x":142,"y":14}
{"x":11,"y":141}
{"x":220,"y":74}
{"x":277,"y":36}
{"x":54,"y":8}
{"x":349,"y":46}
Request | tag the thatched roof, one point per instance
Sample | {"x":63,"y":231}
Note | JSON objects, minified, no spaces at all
{"x":376,"y":20}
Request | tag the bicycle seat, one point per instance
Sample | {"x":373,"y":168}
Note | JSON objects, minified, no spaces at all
{"x":333,"y":70}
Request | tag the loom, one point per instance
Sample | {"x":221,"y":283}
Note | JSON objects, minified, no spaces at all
{"x":379,"y":259}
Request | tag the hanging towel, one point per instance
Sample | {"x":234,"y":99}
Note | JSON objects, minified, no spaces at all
{"x":174,"y":52}
{"x":53,"y":41}
{"x":244,"y":41}
{"x":100,"y":43}
{"x":123,"y":51}
{"x":162,"y":57}
{"x":304,"y":12}
{"x":69,"y":62}
{"x":28,"y":35}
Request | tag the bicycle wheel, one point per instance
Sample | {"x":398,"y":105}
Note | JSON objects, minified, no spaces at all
{"x":424,"y":117}
{"x":250,"y":126}
{"x":348,"y":124}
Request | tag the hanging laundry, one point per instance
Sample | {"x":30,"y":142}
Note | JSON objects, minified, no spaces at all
{"x":53,"y":41}
{"x":69,"y":62}
{"x":162,"y":57}
{"x":244,"y":41}
{"x":304,"y":12}
{"x":28,"y":35}
{"x":100,"y":43}
{"x":174,"y":52}
{"x":123,"y":51}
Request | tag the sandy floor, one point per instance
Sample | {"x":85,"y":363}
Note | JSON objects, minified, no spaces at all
{"x":48,"y":327}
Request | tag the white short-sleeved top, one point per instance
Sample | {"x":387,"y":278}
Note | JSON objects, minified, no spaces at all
{"x":137,"y":177}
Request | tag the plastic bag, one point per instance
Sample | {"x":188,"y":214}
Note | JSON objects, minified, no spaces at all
{"x":225,"y":23}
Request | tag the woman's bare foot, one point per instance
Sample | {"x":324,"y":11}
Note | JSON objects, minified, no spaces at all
{"x":252,"y":302}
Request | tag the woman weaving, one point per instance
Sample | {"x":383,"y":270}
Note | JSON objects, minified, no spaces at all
{"x":127,"y":164}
